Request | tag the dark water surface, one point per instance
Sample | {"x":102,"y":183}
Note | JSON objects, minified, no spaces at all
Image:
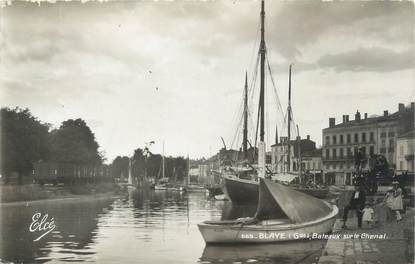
{"x":142,"y":227}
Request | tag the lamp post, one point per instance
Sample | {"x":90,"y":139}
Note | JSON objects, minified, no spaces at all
{"x":146,"y":154}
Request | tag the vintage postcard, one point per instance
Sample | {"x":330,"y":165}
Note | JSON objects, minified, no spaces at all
{"x":225,"y":131}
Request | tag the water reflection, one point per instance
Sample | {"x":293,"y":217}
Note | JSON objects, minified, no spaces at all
{"x":289,"y":252}
{"x":76,"y":223}
{"x":141,"y":227}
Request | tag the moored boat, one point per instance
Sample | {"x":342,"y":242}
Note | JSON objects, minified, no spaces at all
{"x":245,"y":191}
{"x":283,"y":214}
{"x":215,"y":189}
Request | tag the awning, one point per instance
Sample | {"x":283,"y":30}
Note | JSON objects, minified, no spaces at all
{"x":279,"y":201}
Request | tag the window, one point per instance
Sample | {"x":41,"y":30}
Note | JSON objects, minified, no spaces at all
{"x":349,"y":153}
{"x":349,"y":138}
{"x":383,"y":142}
{"x":334,"y":153}
{"x":401,"y":150}
{"x":401,"y":165}
{"x":341,"y":153}
{"x":355,"y":151}
{"x":364,"y":151}
{"x":334,"y":140}
{"x":341,"y":139}
{"x":334,"y":166}
{"x":356,"y":138}
{"x":372,"y":136}
{"x":341,"y":165}
{"x":327,"y":140}
{"x":391,"y":134}
{"x":363,"y":137}
{"x":372,"y":150}
{"x":327,"y":153}
{"x":382,"y":150}
{"x":383,"y":134}
{"x":391,"y":145}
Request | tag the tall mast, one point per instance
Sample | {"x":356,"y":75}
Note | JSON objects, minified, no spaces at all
{"x":163,"y":161}
{"x":276,"y":134}
{"x":188,"y":169}
{"x":245,"y":132}
{"x":289,"y":122}
{"x":299,"y":153}
{"x":261,"y":146}
{"x":262,"y":50}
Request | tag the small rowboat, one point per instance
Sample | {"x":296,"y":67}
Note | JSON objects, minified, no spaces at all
{"x":283,"y":214}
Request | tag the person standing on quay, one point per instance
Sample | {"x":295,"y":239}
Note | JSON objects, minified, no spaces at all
{"x":388,"y":203}
{"x":397,"y":204}
{"x":357,"y":203}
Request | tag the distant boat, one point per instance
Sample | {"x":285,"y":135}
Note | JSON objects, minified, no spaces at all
{"x":163,"y":183}
{"x":283,"y":214}
{"x":130,"y":185}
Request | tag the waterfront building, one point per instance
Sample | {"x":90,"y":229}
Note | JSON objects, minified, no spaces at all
{"x":371,"y":135}
{"x":279,"y":153}
{"x":311,"y":163}
{"x":405,"y":147}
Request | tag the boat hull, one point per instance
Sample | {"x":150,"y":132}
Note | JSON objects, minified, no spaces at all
{"x":217,"y":233}
{"x":240,"y":191}
{"x":214,"y":190}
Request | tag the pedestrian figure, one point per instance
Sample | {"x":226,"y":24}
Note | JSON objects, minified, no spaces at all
{"x":387,"y":202}
{"x":357,"y":203}
{"x":368,"y":214}
{"x":358,"y":161}
{"x":397,"y":204}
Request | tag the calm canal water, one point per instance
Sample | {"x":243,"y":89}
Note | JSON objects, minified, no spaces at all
{"x":142,"y":227}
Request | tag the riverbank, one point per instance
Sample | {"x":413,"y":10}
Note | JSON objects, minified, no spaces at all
{"x":10,"y":194}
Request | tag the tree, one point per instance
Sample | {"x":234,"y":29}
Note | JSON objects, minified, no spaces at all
{"x":74,"y":143}
{"x":24,"y":140}
{"x":119,"y":167}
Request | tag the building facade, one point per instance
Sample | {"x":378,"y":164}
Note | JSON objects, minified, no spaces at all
{"x":312,"y":164}
{"x":370,"y":135}
{"x":279,"y":153}
{"x":405,"y":147}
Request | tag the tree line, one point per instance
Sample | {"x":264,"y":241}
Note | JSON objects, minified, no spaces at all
{"x":26,"y":140}
{"x":147,"y":164}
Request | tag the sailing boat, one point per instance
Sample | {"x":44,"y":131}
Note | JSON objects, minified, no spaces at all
{"x":130,"y":184}
{"x":242,"y":185}
{"x":283,"y":214}
{"x":161,"y":184}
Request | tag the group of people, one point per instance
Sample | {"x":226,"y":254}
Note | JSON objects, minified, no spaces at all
{"x":365,"y":214}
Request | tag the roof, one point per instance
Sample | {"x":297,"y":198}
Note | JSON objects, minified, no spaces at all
{"x":293,"y":142}
{"x":410,"y":134}
{"x":371,"y":120}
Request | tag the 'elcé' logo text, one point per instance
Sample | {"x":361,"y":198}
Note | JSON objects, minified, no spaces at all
{"x":41,"y":224}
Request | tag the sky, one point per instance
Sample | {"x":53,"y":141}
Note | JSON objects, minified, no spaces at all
{"x":173,"y":71}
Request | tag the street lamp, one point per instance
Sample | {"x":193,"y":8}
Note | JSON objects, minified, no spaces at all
{"x":146,"y":154}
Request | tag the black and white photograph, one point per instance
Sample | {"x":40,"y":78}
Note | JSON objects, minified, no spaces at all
{"x":207,"y":131}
